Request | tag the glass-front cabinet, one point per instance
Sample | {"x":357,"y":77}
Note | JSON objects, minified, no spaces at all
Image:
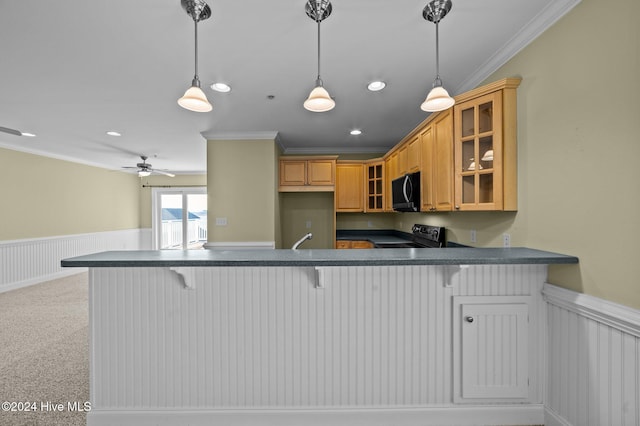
{"x":375,"y":187}
{"x":485,"y":152}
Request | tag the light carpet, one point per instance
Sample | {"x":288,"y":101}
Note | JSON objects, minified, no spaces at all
{"x":44,"y":353}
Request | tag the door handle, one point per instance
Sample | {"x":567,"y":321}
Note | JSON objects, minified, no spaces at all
{"x":468,"y":319}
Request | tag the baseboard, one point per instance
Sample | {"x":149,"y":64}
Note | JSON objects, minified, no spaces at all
{"x":41,"y":279}
{"x":436,"y":416}
{"x":551,"y":418}
{"x":35,"y":260}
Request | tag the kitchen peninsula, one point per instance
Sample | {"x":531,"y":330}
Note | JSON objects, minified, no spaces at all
{"x":266,"y":337}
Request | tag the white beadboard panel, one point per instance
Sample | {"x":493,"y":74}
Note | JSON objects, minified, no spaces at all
{"x":30,"y":261}
{"x":493,"y":348}
{"x":513,"y":280}
{"x":594,"y":361}
{"x":266,"y":337}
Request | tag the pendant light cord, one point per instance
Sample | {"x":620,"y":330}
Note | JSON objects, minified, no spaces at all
{"x":318,"y":80}
{"x":437,"y":81}
{"x":196,"y":80}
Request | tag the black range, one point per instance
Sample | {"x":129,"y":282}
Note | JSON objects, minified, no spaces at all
{"x":422,"y":236}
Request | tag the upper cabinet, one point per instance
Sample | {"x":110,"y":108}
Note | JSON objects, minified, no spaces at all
{"x":349,"y":194}
{"x":437,"y":163}
{"x":307,"y":173}
{"x":485,"y":148}
{"x":466,"y":156}
{"x":375,"y":190}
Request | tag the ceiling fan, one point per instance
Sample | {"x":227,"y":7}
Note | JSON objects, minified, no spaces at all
{"x":145,"y":169}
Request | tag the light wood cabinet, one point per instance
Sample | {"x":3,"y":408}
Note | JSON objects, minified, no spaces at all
{"x":353,"y":244}
{"x":307,"y":174}
{"x":402,"y":161}
{"x":391,"y":166}
{"x":414,"y":155}
{"x":349,"y":190}
{"x":485,"y":148}
{"x":374,"y":186}
{"x":437,"y":164}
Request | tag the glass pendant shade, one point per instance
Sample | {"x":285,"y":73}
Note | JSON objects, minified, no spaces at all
{"x":438,"y":99}
{"x":319,"y":100}
{"x":194,"y":99}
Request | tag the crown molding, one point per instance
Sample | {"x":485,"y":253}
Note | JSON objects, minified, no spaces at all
{"x":538,"y":25}
{"x":240,"y":136}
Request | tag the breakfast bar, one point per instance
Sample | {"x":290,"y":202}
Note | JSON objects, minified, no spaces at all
{"x":342,"y":337}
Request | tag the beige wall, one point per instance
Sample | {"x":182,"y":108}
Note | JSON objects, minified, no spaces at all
{"x":298,"y":208}
{"x":242,"y":187}
{"x":578,"y":152}
{"x":160,"y":180}
{"x":43,"y":197}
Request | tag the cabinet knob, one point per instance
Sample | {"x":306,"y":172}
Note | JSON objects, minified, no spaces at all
{"x":457,"y":207}
{"x":468,"y":319}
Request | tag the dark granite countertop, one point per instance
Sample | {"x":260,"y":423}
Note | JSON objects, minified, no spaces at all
{"x":374,"y":236}
{"x":312,"y":257}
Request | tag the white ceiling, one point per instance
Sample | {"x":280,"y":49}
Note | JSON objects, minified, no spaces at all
{"x":70,"y":70}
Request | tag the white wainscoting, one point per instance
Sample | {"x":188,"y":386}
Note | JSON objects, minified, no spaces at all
{"x":263,"y":345}
{"x":31,"y":261}
{"x":593,"y":361}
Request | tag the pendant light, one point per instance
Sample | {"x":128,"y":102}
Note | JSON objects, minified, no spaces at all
{"x":319,"y":99}
{"x":438,"y":98}
{"x":194,"y":98}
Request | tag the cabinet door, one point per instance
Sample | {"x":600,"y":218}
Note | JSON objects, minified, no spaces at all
{"x":349,"y":196}
{"x":478,"y":151}
{"x":442,"y":165}
{"x":491,"y":348}
{"x":414,"y":155}
{"x":402,"y":161}
{"x":374,"y":187}
{"x":320,"y":172}
{"x":361,"y":245}
{"x":343,"y":244}
{"x":293,"y":172}
{"x":437,"y":160}
{"x":390,"y":174}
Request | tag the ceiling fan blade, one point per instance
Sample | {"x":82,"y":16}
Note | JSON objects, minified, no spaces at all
{"x":10,"y":131}
{"x":162,"y":172}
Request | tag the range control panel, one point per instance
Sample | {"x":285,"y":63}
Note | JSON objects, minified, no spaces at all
{"x":432,"y":233}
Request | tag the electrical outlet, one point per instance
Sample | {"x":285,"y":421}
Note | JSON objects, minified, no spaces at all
{"x":506,"y":240}
{"x":308,"y":224}
{"x":473,"y":236}
{"x":370,"y":224}
{"x":221,"y":221}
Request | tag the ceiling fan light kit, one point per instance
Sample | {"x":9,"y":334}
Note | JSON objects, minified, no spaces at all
{"x":145,"y":169}
{"x":194,"y":98}
{"x":319,"y":99}
{"x":438,"y":98}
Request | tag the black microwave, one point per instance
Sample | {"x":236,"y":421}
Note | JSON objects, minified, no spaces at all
{"x":405,"y":192}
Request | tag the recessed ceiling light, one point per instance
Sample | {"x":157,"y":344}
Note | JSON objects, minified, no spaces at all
{"x":113,"y":133}
{"x":376,"y":86}
{"x":221,"y":87}
{"x":31,"y":135}
{"x":356,"y":132}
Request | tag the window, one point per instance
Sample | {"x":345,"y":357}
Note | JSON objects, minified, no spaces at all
{"x":179,"y":218}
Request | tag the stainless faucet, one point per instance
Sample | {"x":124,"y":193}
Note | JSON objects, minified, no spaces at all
{"x":302,"y":240}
